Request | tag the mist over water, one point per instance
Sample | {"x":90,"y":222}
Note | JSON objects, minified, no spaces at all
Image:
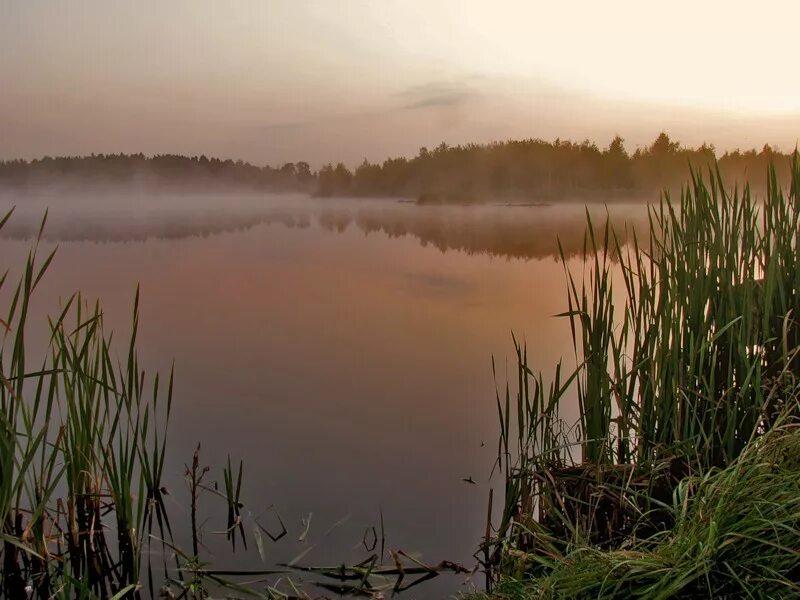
{"x":341,"y":347}
{"x":521,"y":230}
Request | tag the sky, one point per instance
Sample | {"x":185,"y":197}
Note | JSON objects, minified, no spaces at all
{"x":272,"y":81}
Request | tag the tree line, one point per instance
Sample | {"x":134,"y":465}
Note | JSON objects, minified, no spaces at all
{"x":542,"y":170}
{"x":532,"y":169}
{"x":164,"y":170}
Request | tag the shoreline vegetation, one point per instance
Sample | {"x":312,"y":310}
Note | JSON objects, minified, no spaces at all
{"x":514,"y":171}
{"x":680,"y":477}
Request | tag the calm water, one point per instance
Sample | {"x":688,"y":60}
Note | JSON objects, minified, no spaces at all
{"x":342,"y":348}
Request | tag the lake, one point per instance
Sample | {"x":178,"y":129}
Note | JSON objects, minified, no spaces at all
{"x":342,"y":348}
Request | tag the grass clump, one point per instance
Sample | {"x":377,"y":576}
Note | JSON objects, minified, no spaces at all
{"x":736,"y":535}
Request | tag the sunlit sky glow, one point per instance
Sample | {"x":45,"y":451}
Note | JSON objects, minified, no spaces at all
{"x":274,"y":81}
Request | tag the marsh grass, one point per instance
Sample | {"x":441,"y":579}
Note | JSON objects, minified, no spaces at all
{"x":83,"y":441}
{"x":82,"y":446}
{"x":83,"y":438}
{"x":736,"y":534}
{"x":685,"y":347}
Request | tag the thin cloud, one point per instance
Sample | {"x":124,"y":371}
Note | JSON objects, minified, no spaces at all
{"x":437,"y":93}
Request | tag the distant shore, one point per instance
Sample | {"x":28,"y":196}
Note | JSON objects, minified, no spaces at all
{"x":515,"y":171}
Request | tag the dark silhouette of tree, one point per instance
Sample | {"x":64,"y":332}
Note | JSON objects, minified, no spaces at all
{"x":617,"y":166}
{"x":663,"y":146}
{"x":304,"y":174}
{"x":334,"y":180}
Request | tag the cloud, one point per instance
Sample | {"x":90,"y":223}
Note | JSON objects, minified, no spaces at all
{"x":437,"y":93}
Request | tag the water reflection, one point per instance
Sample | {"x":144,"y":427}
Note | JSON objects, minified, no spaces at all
{"x":525,"y":231}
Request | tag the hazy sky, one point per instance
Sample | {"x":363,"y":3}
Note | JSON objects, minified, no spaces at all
{"x":274,"y":81}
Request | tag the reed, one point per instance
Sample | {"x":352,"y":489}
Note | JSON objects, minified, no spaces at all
{"x":685,"y":347}
{"x":82,"y":444}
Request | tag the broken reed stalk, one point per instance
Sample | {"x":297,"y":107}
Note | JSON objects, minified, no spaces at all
{"x":195,"y":476}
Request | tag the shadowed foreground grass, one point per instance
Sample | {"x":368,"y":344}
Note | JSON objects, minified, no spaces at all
{"x":736,"y":535}
{"x":82,"y":446}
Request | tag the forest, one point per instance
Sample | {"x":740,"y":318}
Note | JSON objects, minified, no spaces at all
{"x":162,"y":171}
{"x":528,"y":170}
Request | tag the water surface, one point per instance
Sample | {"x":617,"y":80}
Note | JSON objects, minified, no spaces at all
{"x":342,"y":348}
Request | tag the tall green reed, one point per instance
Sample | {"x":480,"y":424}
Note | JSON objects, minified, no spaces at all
{"x":685,"y":341}
{"x":82,"y":445}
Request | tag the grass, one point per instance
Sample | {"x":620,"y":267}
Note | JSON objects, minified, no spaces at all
{"x":686,"y":344}
{"x":82,"y":452}
{"x":736,"y":534}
